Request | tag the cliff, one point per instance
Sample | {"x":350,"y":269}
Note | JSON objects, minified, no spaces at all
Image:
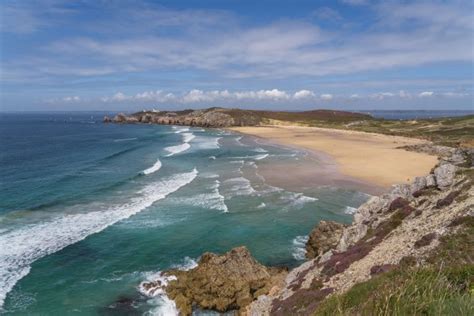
{"x":221,"y":117}
{"x":409,"y":251}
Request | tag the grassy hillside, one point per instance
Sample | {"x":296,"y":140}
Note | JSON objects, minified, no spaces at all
{"x":444,"y":286}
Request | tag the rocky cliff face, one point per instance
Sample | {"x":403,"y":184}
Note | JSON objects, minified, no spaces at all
{"x":227,"y":282}
{"x":213,"y":117}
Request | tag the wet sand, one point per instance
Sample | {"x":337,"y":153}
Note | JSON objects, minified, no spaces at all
{"x":368,"y":161}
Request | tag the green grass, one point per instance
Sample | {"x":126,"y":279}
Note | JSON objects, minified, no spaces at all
{"x":443,"y":286}
{"x":412,"y":291}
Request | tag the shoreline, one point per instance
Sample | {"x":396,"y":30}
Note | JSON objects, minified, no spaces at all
{"x":369,"y":160}
{"x":316,"y":169}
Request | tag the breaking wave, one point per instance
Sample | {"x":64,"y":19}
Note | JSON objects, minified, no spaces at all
{"x":21,"y":247}
{"x":299,"y":247}
{"x":153,"y":168}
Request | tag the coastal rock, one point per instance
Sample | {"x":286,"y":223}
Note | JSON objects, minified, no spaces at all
{"x":227,"y":282}
{"x":120,"y":118}
{"x":107,"y":119}
{"x":418,"y":184}
{"x":444,"y":175}
{"x":430,"y":181}
{"x":323,"y":237}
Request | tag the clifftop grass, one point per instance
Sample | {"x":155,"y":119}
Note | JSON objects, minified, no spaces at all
{"x":443,"y":287}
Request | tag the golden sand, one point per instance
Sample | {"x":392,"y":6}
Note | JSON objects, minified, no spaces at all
{"x":372,"y":158}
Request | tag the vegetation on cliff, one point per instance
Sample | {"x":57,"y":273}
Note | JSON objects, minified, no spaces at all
{"x":454,"y":132}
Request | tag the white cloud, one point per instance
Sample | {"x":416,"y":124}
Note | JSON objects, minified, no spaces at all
{"x":303,"y":94}
{"x":356,"y":2}
{"x":72,"y":99}
{"x":326,"y":97}
{"x":283,"y":49}
{"x":426,"y":94}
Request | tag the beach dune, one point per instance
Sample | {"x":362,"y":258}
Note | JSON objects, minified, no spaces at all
{"x":368,"y":157}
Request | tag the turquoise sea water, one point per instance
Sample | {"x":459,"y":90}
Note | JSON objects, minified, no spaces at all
{"x":89,"y":210}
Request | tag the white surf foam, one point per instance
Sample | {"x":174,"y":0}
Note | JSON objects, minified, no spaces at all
{"x":23,"y":246}
{"x":260,"y":157}
{"x":297,"y":199}
{"x":187,"y":264}
{"x":213,"y":200}
{"x":153,"y":168}
{"x":173,"y":150}
{"x":260,"y":150}
{"x":238,"y":186}
{"x":181,"y":129}
{"x":238,"y":141}
{"x":350,"y":210}
{"x":124,"y":139}
{"x":299,"y":247}
{"x":164,"y":305}
{"x":187,"y":137}
{"x":255,"y":157}
{"x":207,"y":142}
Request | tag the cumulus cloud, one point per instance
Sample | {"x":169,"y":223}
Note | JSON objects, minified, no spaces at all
{"x":303,"y":94}
{"x":274,"y":95}
{"x":426,"y":94}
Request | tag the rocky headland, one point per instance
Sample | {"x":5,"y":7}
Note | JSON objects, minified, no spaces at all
{"x":423,"y":228}
{"x":223,"y":117}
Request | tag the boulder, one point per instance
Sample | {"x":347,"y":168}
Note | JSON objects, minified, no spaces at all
{"x":444,"y":175}
{"x":227,"y":282}
{"x":430,"y":181}
{"x":418,"y":184}
{"x":324,"y":237}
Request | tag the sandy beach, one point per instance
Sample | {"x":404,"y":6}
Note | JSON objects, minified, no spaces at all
{"x":370,"y":158}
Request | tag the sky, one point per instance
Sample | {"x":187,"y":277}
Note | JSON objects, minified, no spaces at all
{"x":282,"y":55}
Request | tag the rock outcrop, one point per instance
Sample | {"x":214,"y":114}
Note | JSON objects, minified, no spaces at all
{"x":213,"y":117}
{"x":227,"y":282}
{"x":223,"y":117}
{"x":323,"y":237}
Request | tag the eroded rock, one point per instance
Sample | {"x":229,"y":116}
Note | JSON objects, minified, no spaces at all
{"x":323,"y":237}
{"x":444,"y":175}
{"x":227,"y":282}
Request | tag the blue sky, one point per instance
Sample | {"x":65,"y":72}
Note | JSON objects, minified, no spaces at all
{"x":128,"y":55}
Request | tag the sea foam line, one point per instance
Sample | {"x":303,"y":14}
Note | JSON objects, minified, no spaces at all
{"x":21,"y":247}
{"x":164,"y":305}
{"x":153,"y":168}
{"x":299,"y":247}
{"x":173,"y":150}
{"x":350,"y":210}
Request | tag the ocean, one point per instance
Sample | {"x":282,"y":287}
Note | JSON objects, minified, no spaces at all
{"x":89,"y":210}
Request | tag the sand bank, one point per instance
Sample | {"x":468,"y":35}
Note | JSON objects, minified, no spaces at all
{"x":368,"y":157}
